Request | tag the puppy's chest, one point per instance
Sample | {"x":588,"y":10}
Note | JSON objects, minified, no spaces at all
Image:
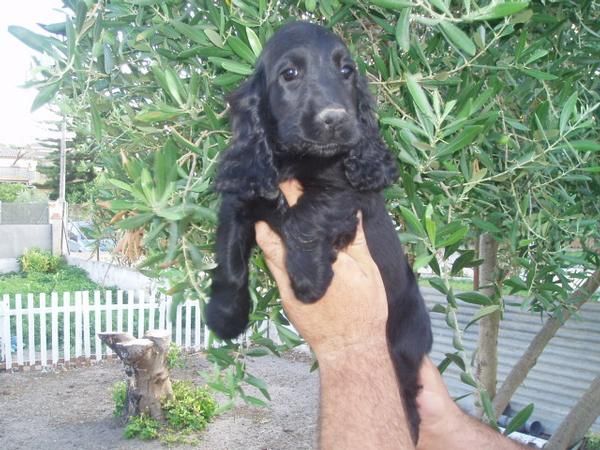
{"x":315,"y":174}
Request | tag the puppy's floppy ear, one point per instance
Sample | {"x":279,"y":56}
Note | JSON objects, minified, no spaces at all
{"x":246,"y":168}
{"x":369,"y":165}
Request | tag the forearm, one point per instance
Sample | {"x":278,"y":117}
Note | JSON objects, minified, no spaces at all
{"x":461,"y":432}
{"x":360,"y":401}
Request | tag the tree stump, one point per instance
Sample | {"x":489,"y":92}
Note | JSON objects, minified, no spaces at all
{"x":145,"y":359}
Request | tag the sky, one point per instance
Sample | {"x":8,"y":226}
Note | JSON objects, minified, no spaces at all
{"x":18,"y":126}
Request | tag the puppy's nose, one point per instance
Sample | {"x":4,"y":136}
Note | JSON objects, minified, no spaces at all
{"x":332,"y":117}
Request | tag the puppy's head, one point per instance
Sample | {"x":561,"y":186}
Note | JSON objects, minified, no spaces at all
{"x":305,"y":97}
{"x":311,"y":85}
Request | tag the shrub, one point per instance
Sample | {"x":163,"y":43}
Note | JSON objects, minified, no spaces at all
{"x":143,"y":427}
{"x":119,"y":395}
{"x":39,"y":261}
{"x":65,"y":279}
{"x":191,"y":408}
{"x":174,"y":357}
{"x":592,"y":442}
{"x":9,"y":191}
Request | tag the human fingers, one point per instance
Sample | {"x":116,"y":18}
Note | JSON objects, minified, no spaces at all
{"x":274,"y":251}
{"x":358,"y":249}
{"x":430,"y":377}
{"x":271,"y":244}
{"x":292,"y":191}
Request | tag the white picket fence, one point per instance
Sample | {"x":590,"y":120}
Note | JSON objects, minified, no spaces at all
{"x":40,"y":330}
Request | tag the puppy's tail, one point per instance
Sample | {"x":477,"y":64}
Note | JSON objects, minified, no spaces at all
{"x":226,"y":313}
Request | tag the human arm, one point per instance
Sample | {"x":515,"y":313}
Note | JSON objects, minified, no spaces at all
{"x":445,"y":425}
{"x":360,"y":405}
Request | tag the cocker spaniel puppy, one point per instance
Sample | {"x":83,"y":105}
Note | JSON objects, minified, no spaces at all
{"x":306,"y":113}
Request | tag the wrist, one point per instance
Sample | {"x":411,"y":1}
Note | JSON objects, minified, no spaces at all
{"x":339,"y":351}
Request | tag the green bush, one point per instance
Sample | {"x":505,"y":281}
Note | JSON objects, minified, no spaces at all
{"x":39,"y":261}
{"x":9,"y":191}
{"x":119,"y":395}
{"x":592,"y":442}
{"x":65,"y":279}
{"x":143,"y":427}
{"x":191,"y":408}
{"x":174,"y":357}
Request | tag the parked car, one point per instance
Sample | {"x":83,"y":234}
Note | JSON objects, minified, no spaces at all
{"x":81,"y":239}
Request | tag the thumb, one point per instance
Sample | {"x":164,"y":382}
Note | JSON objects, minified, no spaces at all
{"x":274,"y":250}
{"x":358,"y":249}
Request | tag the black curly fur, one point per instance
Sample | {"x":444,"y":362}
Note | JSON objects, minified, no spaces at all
{"x":280,"y":132}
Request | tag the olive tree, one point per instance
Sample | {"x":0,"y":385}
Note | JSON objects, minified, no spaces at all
{"x":490,"y":107}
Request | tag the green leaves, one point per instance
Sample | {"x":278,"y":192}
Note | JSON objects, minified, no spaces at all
{"x":392,"y":4}
{"x":418,"y":95}
{"x":403,"y":30}
{"x":476,"y":298}
{"x":457,"y":38}
{"x":483,"y":312}
{"x":241,"y":49}
{"x":497,"y":10}
{"x":519,"y":420}
{"x":493,"y":125}
{"x":45,"y":95}
{"x":232,"y":66}
{"x":254,"y":41}
{"x":42,"y":44}
{"x":412,"y":221}
{"x":567,"y":112}
{"x":463,"y":139}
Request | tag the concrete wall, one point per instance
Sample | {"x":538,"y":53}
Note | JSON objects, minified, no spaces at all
{"x":9,"y":265}
{"x":110,"y":275}
{"x":15,"y":239}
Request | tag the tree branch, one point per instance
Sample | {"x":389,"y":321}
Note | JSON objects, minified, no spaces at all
{"x":529,"y":359}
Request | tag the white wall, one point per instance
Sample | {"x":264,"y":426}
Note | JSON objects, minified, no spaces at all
{"x":9,"y":265}
{"x":110,"y":275}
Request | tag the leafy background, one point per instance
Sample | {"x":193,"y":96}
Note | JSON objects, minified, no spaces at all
{"x":491,"y":108}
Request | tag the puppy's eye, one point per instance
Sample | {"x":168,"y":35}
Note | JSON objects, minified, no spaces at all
{"x":290,"y":74}
{"x":346,"y":71}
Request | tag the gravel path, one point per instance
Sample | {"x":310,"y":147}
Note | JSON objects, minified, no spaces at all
{"x":72,"y":409}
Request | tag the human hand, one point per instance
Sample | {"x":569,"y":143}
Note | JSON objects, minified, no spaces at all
{"x":445,"y":425}
{"x":352,"y":313}
{"x":440,"y":416}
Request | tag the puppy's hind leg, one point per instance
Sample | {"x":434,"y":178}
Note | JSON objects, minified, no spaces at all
{"x":226,"y":313}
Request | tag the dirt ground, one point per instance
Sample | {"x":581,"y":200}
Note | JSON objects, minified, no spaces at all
{"x":72,"y":409}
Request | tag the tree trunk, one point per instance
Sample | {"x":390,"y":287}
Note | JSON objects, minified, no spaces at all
{"x":145,"y":361}
{"x":487,"y":346}
{"x":579,"y":420}
{"x":529,"y":359}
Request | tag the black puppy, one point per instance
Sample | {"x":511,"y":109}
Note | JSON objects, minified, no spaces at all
{"x":307,"y":114}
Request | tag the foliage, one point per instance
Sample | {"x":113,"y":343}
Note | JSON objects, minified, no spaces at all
{"x":592,"y":442}
{"x":35,"y":260}
{"x":174,"y":357}
{"x":119,"y":395}
{"x":191,"y":408}
{"x":79,"y":168}
{"x":32,"y":195}
{"x":9,"y":192}
{"x":143,"y":427}
{"x":65,"y":279}
{"x":490,"y":107}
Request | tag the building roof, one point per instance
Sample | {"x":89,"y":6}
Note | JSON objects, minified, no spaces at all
{"x":36,"y":152}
